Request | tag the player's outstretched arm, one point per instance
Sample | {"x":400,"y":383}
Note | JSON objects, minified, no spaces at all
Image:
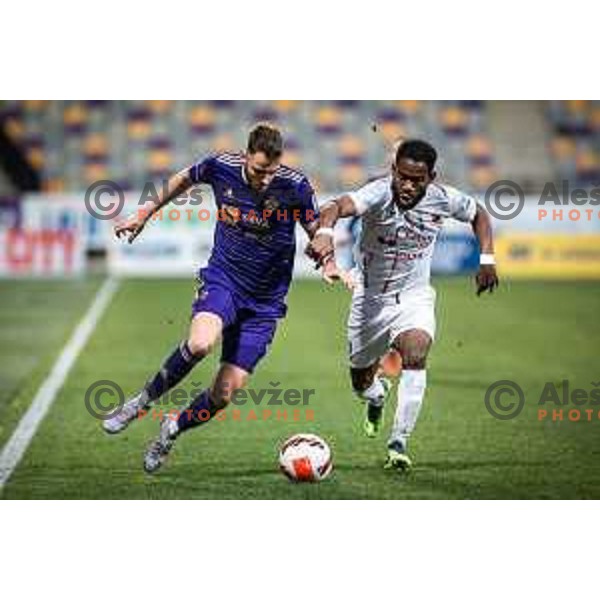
{"x":177,"y":185}
{"x":321,"y":246}
{"x":487,"y":278}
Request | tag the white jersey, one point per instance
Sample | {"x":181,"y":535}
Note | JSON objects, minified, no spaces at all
{"x":396,"y":246}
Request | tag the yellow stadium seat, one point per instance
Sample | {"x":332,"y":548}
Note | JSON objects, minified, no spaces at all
{"x":138,"y":129}
{"x":352,"y":175}
{"x":223,"y":143}
{"x":392,"y":132}
{"x":36,"y":157}
{"x":577,"y":106}
{"x":159,"y":106}
{"x":328,"y":118}
{"x":53,"y":184}
{"x":454,"y":119}
{"x":478,"y":146}
{"x":15,"y":129}
{"x":351,"y":146}
{"x":95,"y":172}
{"x":563,"y":147}
{"x":95,"y":144}
{"x":586,"y":161}
{"x":409,"y":106}
{"x":202,"y":117}
{"x":285,"y":106}
{"x":35,"y":105}
{"x":75,"y":115}
{"x":160,"y":160}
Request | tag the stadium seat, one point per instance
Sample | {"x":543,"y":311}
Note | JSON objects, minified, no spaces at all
{"x":454,"y":120}
{"x":595,"y":120}
{"x":352,"y":175}
{"x":75,"y":117}
{"x":95,"y":172}
{"x":138,"y":124}
{"x":95,"y":146}
{"x":53,"y":185}
{"x":328,"y":120}
{"x":14,"y":128}
{"x":347,"y":138}
{"x":160,"y":107}
{"x":160,"y":161}
{"x":351,"y":147}
{"x":563,"y":148}
{"x":409,"y":107}
{"x":392,"y":132}
{"x":36,"y":157}
{"x":202,"y":120}
{"x":223,"y":142}
{"x":587,"y":166}
{"x":35,"y":105}
{"x":479,"y":150}
{"x":285,"y":106}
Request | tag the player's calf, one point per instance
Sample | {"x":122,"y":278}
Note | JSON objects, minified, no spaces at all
{"x":413,"y":346}
{"x":210,"y":401}
{"x":204,"y":334}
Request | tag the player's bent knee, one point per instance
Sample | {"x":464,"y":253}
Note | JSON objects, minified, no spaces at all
{"x":200,"y":347}
{"x":413,"y":346}
{"x":414,"y":363}
{"x":205,"y":332}
{"x":414,"y":358}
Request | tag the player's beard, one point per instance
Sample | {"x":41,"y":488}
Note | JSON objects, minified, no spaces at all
{"x":407,"y":201}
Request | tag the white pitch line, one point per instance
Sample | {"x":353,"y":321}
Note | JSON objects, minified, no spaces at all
{"x":19,"y":441}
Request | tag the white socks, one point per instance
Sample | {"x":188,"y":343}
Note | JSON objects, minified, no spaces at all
{"x":411,"y":390}
{"x":375,"y":393}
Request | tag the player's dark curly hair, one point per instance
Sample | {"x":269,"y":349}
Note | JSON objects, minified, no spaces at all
{"x":267,"y":139}
{"x":419,"y":151}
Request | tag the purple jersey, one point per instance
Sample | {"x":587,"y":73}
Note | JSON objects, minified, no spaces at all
{"x":255,"y":242}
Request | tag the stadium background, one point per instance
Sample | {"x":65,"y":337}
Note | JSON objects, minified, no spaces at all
{"x":542,"y":326}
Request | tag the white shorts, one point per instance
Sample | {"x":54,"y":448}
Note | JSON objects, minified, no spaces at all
{"x":375,"y":321}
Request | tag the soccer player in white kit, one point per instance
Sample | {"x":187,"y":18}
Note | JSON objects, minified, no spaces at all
{"x":393,"y":303}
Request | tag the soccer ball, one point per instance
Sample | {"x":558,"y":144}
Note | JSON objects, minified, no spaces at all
{"x":305,"y":457}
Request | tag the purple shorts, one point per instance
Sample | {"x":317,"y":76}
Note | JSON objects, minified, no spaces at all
{"x":248,"y":327}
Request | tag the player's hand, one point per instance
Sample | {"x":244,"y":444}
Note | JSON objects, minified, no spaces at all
{"x":332,"y":273}
{"x":320,"y":248}
{"x":130,"y":228}
{"x":486,"y":279}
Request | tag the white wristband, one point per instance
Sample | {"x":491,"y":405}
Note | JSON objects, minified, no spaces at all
{"x":487,"y":259}
{"x":325,"y":231}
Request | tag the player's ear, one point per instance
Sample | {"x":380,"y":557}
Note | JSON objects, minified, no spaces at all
{"x":433,"y":175}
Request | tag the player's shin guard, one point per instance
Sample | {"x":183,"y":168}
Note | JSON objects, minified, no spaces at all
{"x":201,"y":410}
{"x":174,"y":369}
{"x":411,"y":390}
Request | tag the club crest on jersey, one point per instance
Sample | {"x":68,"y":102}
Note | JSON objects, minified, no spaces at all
{"x":271,"y":204}
{"x":251,"y":221}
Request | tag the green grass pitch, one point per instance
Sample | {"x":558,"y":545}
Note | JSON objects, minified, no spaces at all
{"x":528,"y":332}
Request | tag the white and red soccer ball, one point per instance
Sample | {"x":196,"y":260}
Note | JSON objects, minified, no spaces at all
{"x":305,"y":457}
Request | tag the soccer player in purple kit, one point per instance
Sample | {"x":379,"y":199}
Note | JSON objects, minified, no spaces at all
{"x":242,"y":290}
